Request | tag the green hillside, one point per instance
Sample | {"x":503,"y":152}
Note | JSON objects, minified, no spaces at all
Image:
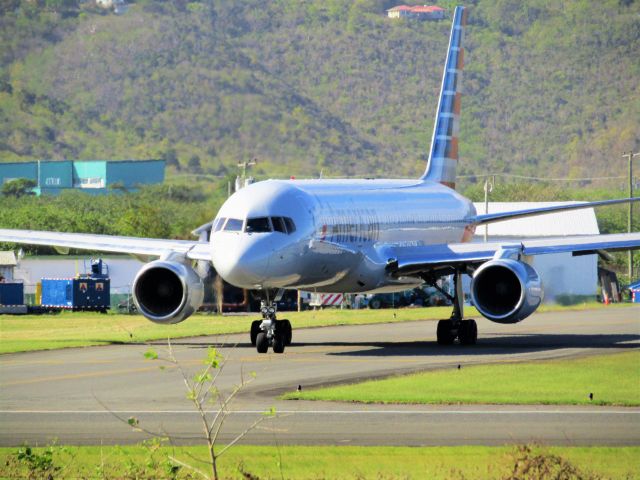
{"x":334,"y":86}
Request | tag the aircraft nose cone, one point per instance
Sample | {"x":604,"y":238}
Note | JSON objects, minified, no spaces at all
{"x":242,"y":262}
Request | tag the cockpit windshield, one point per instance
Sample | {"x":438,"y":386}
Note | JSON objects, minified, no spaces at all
{"x":218,"y":224}
{"x":291,"y":227}
{"x":278,"y":224}
{"x":233,"y":225}
{"x":259,"y":224}
{"x":283,"y":224}
{"x":255,"y":225}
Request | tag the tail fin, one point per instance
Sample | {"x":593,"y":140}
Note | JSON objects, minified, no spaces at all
{"x":443,"y":155}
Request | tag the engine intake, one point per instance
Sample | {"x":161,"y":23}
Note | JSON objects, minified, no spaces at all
{"x":167,"y":291}
{"x":506,"y":290}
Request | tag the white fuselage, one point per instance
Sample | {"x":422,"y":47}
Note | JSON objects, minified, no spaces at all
{"x":338,"y":236}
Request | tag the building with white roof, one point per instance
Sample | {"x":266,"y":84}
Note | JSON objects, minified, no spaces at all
{"x":419,"y":12}
{"x":561,"y":273}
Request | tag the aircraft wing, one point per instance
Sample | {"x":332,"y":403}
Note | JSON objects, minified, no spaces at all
{"x":530,"y":212}
{"x":422,"y":259}
{"x":107,"y":243}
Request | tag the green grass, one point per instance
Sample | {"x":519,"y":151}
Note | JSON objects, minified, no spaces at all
{"x":46,"y":332}
{"x":320,"y":462}
{"x":613,"y":379}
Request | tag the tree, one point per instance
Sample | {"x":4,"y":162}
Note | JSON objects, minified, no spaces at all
{"x":170,"y":156}
{"x":143,"y":220}
{"x":61,"y":5}
{"x":212,"y":405}
{"x":8,"y":6}
{"x":194,"y":164}
{"x":19,"y":187}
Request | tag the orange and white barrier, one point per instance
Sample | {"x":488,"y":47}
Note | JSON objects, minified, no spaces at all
{"x":327,"y":299}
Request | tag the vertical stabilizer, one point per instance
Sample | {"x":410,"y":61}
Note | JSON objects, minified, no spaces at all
{"x":443,"y":154}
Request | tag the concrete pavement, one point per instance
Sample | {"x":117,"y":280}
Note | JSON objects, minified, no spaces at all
{"x":75,"y":395}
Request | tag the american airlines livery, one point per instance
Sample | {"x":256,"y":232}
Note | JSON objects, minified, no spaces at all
{"x":350,"y":236}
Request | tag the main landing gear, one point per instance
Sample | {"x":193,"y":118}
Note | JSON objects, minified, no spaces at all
{"x":466,"y":331}
{"x":270,"y":332}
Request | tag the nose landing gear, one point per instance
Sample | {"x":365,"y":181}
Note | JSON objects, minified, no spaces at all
{"x":270,"y":332}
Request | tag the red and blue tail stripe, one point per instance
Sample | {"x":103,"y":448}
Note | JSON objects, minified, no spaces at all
{"x":443,"y":155}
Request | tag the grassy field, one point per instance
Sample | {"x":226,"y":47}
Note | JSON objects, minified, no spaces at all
{"x":613,"y":379}
{"x":46,"y":332}
{"x":344,"y":462}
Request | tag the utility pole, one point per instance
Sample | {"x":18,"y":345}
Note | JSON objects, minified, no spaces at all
{"x":246,"y":164}
{"x":630,"y":156}
{"x":488,"y":188}
{"x":241,"y":180}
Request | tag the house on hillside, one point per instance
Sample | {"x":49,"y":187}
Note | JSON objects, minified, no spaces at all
{"x":417,"y":12}
{"x":119,"y":6}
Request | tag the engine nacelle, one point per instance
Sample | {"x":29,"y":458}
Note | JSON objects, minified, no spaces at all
{"x":506,"y":290}
{"x":167,"y":291}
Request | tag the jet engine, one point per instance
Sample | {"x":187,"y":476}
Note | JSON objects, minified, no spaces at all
{"x":506,"y":290}
{"x":167,"y":291}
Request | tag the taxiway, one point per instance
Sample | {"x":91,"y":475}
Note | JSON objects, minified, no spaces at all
{"x":77,"y":395}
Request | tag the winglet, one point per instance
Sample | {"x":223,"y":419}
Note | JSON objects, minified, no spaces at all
{"x":443,"y":154}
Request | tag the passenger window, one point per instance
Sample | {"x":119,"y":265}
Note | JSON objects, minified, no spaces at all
{"x":218,"y":224}
{"x":291,"y":227}
{"x":233,"y":225}
{"x":278,"y":224}
{"x":260,"y":224}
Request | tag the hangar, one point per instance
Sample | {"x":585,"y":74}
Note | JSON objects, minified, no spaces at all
{"x":562,"y":274}
{"x":93,"y":176}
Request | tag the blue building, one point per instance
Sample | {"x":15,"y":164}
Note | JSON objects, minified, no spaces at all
{"x":95,"y":176}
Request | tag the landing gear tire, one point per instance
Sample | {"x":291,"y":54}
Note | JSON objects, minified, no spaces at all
{"x":468,"y":332}
{"x":255,"y":329}
{"x":445,"y":332}
{"x":287,"y":331}
{"x":262,"y":342}
{"x":375,"y":304}
{"x":278,"y":342}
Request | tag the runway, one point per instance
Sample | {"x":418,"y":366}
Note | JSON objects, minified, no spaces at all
{"x":76,"y":395}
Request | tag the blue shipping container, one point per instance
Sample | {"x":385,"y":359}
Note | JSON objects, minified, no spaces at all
{"x":57,"y":292}
{"x":11,"y":293}
{"x":76,"y":293}
{"x":91,"y":293}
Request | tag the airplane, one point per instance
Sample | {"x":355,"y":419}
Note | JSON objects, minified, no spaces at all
{"x":350,"y":236}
